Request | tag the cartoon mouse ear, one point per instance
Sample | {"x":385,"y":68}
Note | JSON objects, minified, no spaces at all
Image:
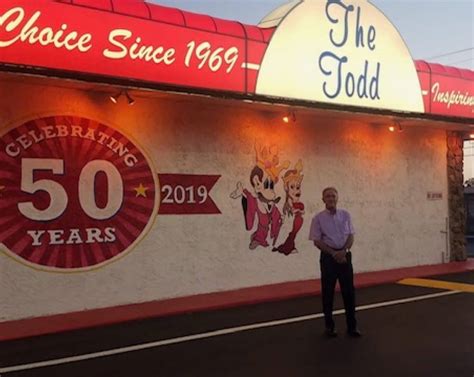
{"x":255,"y":177}
{"x":299,"y":166}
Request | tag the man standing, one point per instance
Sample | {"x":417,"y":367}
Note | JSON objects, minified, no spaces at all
{"x":332,"y":233}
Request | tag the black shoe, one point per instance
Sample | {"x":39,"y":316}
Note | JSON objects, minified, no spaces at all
{"x":354,"y":333}
{"x":330,"y":333}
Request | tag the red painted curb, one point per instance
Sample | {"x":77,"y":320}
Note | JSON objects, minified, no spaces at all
{"x":100,"y":317}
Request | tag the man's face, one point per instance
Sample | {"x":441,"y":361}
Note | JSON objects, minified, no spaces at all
{"x":330,"y":199}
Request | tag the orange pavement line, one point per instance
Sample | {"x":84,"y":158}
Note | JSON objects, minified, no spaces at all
{"x":438,"y":284}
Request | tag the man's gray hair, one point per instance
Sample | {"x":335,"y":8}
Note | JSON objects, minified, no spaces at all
{"x":330,"y":189}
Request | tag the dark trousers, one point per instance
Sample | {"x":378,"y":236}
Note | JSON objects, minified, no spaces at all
{"x":330,"y":272}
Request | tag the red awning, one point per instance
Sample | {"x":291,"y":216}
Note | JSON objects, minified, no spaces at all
{"x":148,"y":43}
{"x":446,"y":90}
{"x":175,"y":16}
{"x":444,"y":70}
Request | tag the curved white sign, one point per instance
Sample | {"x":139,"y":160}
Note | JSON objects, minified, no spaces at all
{"x":343,"y":52}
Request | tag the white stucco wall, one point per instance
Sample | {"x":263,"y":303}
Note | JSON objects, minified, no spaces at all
{"x":383,"y":179}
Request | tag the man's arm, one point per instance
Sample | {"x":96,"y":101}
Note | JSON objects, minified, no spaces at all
{"x":349,"y":242}
{"x":316,"y":235}
{"x":350,"y":238}
{"x":323,"y":247}
{"x":338,"y":255}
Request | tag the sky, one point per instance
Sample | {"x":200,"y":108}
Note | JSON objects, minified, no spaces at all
{"x":430,"y":28}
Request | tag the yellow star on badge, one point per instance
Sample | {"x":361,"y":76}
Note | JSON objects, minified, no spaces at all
{"x":140,"y":190}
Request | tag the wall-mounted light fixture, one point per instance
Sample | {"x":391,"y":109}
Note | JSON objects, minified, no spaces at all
{"x":290,"y":117}
{"x":114,"y":98}
{"x":397,"y":126}
{"x":468,"y":136}
{"x":130,"y":100}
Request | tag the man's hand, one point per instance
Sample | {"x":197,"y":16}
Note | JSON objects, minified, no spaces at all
{"x":340,"y":256}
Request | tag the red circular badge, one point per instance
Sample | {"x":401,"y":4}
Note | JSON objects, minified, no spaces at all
{"x":74,"y":193}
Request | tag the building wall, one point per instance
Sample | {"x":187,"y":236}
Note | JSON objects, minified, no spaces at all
{"x":383,"y":179}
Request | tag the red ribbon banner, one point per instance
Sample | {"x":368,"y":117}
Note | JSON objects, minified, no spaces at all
{"x":187,"y":194}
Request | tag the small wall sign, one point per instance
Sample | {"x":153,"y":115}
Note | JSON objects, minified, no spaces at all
{"x":433,"y":195}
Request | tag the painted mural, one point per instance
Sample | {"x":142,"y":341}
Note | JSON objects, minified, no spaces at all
{"x":293,"y":208}
{"x":260,"y":202}
{"x":75,"y":193}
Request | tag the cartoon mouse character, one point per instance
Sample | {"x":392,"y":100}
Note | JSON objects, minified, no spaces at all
{"x":261,"y":204}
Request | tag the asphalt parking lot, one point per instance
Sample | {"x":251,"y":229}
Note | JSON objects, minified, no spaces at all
{"x":409,"y":329}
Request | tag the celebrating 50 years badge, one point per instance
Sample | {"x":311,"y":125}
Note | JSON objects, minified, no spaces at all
{"x":74,"y":193}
